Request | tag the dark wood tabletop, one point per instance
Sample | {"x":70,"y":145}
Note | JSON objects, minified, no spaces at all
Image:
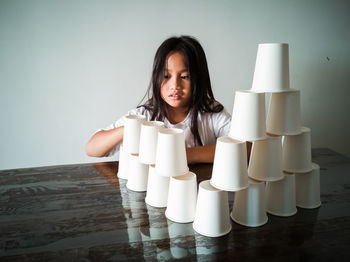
{"x":83,"y":212}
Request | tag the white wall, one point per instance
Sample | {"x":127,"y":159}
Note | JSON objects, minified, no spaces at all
{"x":68,"y":68}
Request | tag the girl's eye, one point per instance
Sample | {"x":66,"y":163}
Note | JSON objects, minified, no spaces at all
{"x":185,"y":77}
{"x":166,"y":76}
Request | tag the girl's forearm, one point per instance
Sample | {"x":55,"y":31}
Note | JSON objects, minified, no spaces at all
{"x":103,"y":142}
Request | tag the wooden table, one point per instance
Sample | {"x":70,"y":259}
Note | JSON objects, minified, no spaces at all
{"x":84,"y":212}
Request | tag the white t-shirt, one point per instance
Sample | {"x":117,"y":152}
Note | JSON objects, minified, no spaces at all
{"x":210,"y":126}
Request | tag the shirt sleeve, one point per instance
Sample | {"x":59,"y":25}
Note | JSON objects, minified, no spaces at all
{"x":222,"y":123}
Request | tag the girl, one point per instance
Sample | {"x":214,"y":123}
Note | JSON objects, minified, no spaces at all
{"x":180,"y":95}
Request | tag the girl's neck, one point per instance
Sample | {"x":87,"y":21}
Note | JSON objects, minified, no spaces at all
{"x":176,"y":115}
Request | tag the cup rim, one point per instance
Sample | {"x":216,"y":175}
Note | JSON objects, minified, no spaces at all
{"x":228,"y":189}
{"x":282,"y":214}
{"x":171,"y":131}
{"x":188,"y":176}
{"x":228,"y":230}
{"x":231,"y":140}
{"x":249,"y":91}
{"x":208,"y":186}
{"x":138,"y":117}
{"x":279,"y":44}
{"x":260,"y":223}
{"x":184,"y":221}
{"x":269,"y":179}
{"x":310,"y":206}
{"x":153,"y":123}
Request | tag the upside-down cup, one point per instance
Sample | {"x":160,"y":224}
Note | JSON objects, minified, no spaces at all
{"x":271,"y":72}
{"x":138,"y":174}
{"x":171,"y":157}
{"x":297,"y":152}
{"x":230,"y":171}
{"x":308,"y":188}
{"x":157,"y":189}
{"x":182,"y":198}
{"x":123,"y":164}
{"x":266,"y":159}
{"x":132,"y":129}
{"x":248,"y":116}
{"x":148,"y":141}
{"x":284,"y":114}
{"x":249,"y":205}
{"x":212,"y":216}
{"x":280,"y":196}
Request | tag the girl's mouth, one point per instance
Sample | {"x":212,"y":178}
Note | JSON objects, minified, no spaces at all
{"x":175,"y":96}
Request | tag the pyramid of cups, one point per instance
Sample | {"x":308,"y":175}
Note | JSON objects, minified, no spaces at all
{"x":280,"y":175}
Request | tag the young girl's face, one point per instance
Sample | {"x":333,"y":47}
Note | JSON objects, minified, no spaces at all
{"x":176,"y":86}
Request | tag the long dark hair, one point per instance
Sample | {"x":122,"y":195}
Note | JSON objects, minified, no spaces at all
{"x":202,"y":97}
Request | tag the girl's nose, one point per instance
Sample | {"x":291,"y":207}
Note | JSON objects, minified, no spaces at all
{"x":175,"y":84}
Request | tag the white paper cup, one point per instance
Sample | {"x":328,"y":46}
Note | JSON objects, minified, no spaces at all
{"x":138,"y":174}
{"x":266,"y":159}
{"x":248,"y":116}
{"x":131,"y":137}
{"x":182,"y":198}
{"x":123,"y":164}
{"x":157,"y":189}
{"x":230,"y":171}
{"x":271,"y":72}
{"x":249,"y":205}
{"x":297,"y":152}
{"x":148,"y":141}
{"x":171,"y":157}
{"x":280,"y":196}
{"x":308,"y":188}
{"x":212,"y":216}
{"x":284,"y":115}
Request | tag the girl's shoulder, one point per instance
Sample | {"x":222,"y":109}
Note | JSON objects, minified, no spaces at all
{"x":223,"y":115}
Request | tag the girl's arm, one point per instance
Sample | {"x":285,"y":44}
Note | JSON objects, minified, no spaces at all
{"x":103,"y":142}
{"x":205,"y":154}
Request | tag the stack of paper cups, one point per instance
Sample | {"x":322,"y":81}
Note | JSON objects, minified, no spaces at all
{"x":297,"y":152}
{"x":249,"y":205}
{"x":266,"y":159}
{"x":132,"y":128}
{"x":212,"y":217}
{"x":148,"y":141}
{"x":280,"y":196}
{"x":271,"y":72}
{"x":230,"y":171}
{"x":171,"y":157}
{"x":284,"y":115}
{"x":182,"y":198}
{"x":248,"y":116}
{"x":308,"y":188}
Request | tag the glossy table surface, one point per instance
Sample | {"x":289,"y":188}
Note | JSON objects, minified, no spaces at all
{"x":84,"y":212}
